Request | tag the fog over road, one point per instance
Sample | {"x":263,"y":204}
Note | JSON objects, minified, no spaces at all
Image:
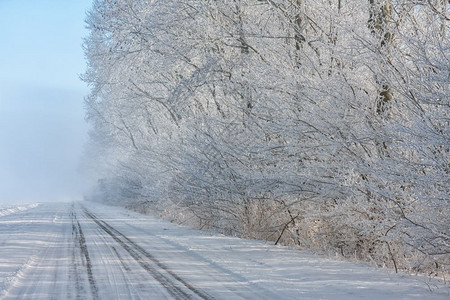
{"x":90,"y":251}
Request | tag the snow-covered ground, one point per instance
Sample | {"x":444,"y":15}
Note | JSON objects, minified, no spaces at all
{"x":90,"y":251}
{"x":8,"y":210}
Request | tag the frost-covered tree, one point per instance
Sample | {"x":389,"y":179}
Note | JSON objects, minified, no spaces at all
{"x":320,"y":123}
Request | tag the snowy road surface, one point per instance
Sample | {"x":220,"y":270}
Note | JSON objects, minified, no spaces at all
{"x":89,"y":251}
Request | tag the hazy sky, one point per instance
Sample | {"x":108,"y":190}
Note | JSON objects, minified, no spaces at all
{"x":42,"y":127}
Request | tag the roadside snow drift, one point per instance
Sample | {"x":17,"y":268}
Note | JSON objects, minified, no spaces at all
{"x":4,"y":211}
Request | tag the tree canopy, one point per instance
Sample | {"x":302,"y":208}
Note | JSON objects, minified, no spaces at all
{"x":319,"y":123}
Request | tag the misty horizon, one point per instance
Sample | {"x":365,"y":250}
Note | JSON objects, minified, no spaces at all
{"x":42,"y":126}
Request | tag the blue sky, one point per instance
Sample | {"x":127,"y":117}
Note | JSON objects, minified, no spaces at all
{"x":42,"y":127}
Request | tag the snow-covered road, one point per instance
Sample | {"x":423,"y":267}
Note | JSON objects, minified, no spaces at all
{"x":90,"y":251}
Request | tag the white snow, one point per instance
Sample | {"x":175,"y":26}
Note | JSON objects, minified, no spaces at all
{"x":91,"y":251}
{"x":8,"y":210}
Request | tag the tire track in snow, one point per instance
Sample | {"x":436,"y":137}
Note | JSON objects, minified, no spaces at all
{"x":122,"y":262}
{"x":74,"y":263}
{"x":84,"y":254}
{"x":257,"y":291}
{"x":169,"y":280}
{"x":115,"y":273}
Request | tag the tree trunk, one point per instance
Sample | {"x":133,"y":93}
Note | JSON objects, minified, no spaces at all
{"x":379,"y":18}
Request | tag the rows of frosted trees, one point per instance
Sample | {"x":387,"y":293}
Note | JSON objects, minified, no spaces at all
{"x":320,"y":123}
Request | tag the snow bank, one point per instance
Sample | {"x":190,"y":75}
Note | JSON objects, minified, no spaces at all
{"x":5,"y":211}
